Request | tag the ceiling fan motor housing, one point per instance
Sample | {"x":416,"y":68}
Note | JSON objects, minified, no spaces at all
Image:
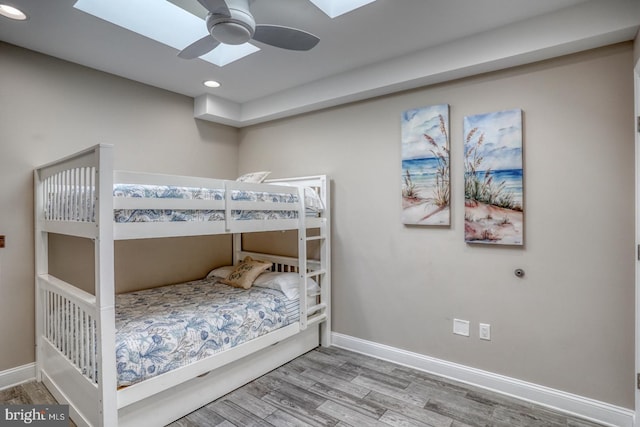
{"x":234,"y":30}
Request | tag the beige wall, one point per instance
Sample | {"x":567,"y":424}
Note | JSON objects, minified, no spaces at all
{"x":139,"y":264}
{"x":50,"y":108}
{"x":569,"y":323}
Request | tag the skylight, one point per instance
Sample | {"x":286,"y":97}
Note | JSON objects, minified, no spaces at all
{"x":163,"y":22}
{"x":334,"y":8}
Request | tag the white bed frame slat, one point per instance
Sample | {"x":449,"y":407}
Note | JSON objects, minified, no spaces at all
{"x":75,"y":353}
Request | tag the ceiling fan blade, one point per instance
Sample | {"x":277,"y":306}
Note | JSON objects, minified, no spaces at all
{"x":199,"y":48}
{"x":216,"y":7}
{"x":285,"y":37}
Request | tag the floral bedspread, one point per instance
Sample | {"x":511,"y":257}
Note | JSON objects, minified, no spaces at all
{"x":168,"y":327}
{"x":172,"y":192}
{"x":167,"y":192}
{"x":79,"y":207}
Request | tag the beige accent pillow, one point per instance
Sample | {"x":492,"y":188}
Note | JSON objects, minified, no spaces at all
{"x":246,"y":272}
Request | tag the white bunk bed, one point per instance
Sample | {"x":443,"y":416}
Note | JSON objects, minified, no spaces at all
{"x":76,"y":331}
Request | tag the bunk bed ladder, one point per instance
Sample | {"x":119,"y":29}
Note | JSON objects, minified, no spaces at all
{"x":321,"y":312}
{"x":318,"y":312}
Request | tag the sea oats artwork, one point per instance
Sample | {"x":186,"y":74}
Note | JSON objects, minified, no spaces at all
{"x":493,"y":178}
{"x":426,"y":188}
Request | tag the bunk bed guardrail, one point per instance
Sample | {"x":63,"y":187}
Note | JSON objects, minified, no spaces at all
{"x":70,"y":201}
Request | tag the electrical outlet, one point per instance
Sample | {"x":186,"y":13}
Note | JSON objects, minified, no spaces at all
{"x":485,"y":331}
{"x":461,"y":327}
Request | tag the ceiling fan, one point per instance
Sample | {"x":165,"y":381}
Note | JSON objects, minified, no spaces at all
{"x":231,"y":22}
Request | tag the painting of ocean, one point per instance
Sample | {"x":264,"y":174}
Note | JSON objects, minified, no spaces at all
{"x":425,"y":166}
{"x":512,"y":179}
{"x":493,"y":178}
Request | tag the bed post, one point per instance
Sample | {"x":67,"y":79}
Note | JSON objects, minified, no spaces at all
{"x":325,"y":260}
{"x":105,"y":288}
{"x":236,"y":248}
{"x":41,"y":265}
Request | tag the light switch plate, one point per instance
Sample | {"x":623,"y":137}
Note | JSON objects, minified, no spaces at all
{"x":485,"y":331}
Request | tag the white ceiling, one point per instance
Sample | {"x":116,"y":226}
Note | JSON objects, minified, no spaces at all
{"x":385,"y":46}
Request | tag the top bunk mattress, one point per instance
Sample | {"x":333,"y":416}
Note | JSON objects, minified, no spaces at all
{"x":77,"y":204}
{"x":174,"y":192}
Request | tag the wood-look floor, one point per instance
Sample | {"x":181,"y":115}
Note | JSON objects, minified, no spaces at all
{"x":335,"y":387}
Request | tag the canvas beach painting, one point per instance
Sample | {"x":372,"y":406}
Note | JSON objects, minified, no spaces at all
{"x":493,"y":178}
{"x":425,"y":177}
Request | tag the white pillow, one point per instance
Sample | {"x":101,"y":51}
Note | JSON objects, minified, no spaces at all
{"x":312,"y":200}
{"x":221,"y":272}
{"x":254,"y":177}
{"x":287,"y":283}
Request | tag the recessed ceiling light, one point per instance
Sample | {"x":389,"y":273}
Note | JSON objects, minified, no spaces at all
{"x":12,"y":12}
{"x":211,"y":83}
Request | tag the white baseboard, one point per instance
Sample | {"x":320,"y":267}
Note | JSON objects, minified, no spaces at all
{"x":568,"y":403}
{"x":14,"y":376}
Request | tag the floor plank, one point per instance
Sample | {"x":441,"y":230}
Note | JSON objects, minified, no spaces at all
{"x":348,"y":415}
{"x":354,"y":402}
{"x":338,"y":388}
{"x":416,"y":412}
{"x":334,"y":383}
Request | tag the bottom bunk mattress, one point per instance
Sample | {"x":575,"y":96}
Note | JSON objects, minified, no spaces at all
{"x":164,"y":328}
